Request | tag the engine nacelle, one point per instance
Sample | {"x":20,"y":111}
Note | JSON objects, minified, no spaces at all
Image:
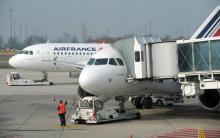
{"x":210,"y":100}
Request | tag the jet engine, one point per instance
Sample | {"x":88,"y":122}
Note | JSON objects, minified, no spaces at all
{"x":210,"y":100}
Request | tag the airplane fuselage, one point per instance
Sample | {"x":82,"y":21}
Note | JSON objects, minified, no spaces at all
{"x":40,"y":57}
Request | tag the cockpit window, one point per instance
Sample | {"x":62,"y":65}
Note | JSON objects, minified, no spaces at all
{"x":26,"y":52}
{"x":112,"y":62}
{"x":101,"y":61}
{"x":120,"y":62}
{"x":91,"y":61}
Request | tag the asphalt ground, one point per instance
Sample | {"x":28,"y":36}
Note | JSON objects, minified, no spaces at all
{"x":30,"y":112}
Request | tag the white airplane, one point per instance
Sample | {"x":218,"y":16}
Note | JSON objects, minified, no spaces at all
{"x":105,"y":74}
{"x":55,"y":57}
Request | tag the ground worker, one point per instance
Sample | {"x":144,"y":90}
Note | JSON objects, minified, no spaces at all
{"x":62,"y":111}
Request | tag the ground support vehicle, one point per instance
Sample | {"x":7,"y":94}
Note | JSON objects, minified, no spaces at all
{"x":90,"y":110}
{"x":14,"y":79}
{"x":147,"y":101}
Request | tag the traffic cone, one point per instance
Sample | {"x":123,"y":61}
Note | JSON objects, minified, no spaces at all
{"x":54,"y":98}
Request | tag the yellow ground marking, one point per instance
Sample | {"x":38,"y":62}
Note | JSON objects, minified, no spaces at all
{"x":201,"y":133}
{"x":68,"y":126}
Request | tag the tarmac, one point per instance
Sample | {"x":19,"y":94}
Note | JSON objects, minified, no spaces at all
{"x":31,"y":112}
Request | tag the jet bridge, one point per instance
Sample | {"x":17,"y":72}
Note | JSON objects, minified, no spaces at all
{"x":148,"y":58}
{"x":199,"y":66}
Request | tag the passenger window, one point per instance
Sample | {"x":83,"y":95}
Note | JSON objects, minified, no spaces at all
{"x":72,"y":53}
{"x":91,"y":61}
{"x":137,"y":56}
{"x":54,"y":53}
{"x":112,"y":62}
{"x":58,"y":53}
{"x":31,"y":52}
{"x":101,"y":61}
{"x":120,"y":62}
{"x":61,"y":53}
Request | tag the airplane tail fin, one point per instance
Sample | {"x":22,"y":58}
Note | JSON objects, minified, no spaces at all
{"x":210,"y":27}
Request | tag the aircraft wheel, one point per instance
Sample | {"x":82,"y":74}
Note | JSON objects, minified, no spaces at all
{"x":138,"y":115}
{"x":160,"y":102}
{"x":148,"y":103}
{"x":138,"y":103}
{"x":133,"y":101}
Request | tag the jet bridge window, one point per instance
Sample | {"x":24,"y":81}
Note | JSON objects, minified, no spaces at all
{"x":91,"y":61}
{"x":215,"y":54}
{"x":112,"y":62}
{"x":120,"y":62}
{"x":137,"y":56}
{"x":101,"y":61}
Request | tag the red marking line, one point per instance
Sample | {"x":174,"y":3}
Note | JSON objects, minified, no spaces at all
{"x":187,"y":132}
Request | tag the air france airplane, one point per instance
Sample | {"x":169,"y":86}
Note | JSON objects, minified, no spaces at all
{"x":106,"y":72}
{"x":55,"y":57}
{"x":105,"y":75}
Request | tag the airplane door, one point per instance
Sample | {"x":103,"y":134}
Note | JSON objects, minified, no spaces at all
{"x":46,"y":53}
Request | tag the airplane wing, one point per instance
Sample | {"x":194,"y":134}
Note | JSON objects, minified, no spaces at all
{"x":75,"y":65}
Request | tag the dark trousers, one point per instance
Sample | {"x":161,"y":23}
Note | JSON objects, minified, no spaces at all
{"x":62,"y":119}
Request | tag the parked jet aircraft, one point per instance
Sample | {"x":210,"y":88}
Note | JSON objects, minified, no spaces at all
{"x":55,"y":57}
{"x":106,"y":73}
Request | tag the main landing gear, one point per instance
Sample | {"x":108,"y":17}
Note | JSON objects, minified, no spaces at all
{"x":141,"y":102}
{"x":45,"y":76}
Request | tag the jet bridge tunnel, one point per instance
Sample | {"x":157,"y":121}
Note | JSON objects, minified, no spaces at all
{"x":195,"y":62}
{"x":199,"y":70}
{"x":148,"y":57}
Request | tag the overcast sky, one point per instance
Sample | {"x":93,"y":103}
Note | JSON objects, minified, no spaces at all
{"x":110,"y":17}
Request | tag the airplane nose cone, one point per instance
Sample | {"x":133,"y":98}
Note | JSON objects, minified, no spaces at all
{"x":87,"y":81}
{"x":13,"y":62}
{"x":84,"y":80}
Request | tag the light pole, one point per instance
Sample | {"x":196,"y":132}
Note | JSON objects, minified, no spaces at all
{"x":150,"y":23}
{"x":11,"y":29}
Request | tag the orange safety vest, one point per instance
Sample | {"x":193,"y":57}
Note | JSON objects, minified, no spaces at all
{"x":61,"y":108}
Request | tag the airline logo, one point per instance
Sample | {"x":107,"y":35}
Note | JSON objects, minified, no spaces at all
{"x":74,"y":49}
{"x":210,"y":27}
